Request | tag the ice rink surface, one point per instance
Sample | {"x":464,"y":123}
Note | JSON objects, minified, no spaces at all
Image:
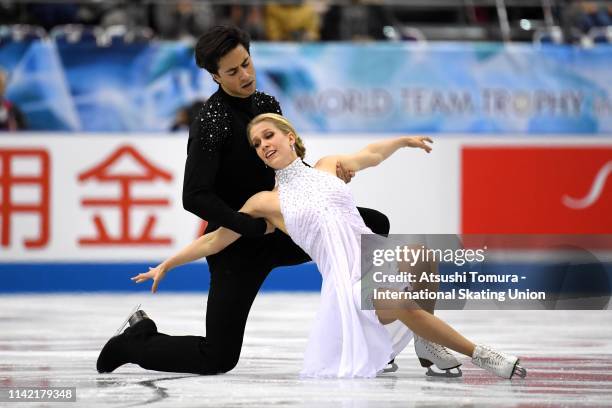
{"x":54,"y":340}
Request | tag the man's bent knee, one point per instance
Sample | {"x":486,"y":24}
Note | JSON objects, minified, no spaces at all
{"x":228,"y":365}
{"x":218,"y":367}
{"x":219,"y":359}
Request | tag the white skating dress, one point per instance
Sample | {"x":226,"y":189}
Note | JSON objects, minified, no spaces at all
{"x":321,"y":217}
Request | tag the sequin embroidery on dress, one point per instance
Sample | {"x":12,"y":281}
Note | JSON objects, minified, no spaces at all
{"x":321,"y":217}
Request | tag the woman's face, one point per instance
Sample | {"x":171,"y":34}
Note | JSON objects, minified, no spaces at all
{"x":272,"y":145}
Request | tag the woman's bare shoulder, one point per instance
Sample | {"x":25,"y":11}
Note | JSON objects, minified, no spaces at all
{"x":327,"y":164}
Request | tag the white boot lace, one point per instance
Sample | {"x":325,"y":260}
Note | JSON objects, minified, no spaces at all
{"x":436,"y":348}
{"x":491,"y":358}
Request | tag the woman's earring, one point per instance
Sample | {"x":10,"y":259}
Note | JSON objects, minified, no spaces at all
{"x":293,"y":147}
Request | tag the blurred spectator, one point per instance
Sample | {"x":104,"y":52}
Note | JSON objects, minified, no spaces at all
{"x":9,"y":12}
{"x":186,"y":115}
{"x":91,"y":13}
{"x":480,"y":15}
{"x":184,"y":18}
{"x":592,"y":14}
{"x":130,"y":14}
{"x":11,"y":118}
{"x":48,"y":15}
{"x":291,"y":22}
{"x":248,"y":18}
{"x":356,"y":21}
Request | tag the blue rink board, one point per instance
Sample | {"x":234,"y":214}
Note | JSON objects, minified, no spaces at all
{"x":115,"y":277}
{"x":594,"y":279}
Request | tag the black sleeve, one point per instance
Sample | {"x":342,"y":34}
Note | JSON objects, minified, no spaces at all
{"x":375,"y":220}
{"x":199,"y":197}
{"x":266,"y":103}
{"x":277,"y":107}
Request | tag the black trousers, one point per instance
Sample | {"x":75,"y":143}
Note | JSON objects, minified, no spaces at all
{"x":236,"y":275}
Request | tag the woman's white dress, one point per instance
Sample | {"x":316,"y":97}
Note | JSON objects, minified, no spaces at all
{"x":321,"y":217}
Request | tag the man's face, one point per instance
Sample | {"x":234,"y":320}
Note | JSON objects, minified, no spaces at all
{"x":236,"y":73}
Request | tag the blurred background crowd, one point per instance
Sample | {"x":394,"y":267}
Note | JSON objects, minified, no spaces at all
{"x":107,"y":22}
{"x":319,"y":20}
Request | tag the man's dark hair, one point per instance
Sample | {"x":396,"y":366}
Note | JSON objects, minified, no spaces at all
{"x":215,"y":43}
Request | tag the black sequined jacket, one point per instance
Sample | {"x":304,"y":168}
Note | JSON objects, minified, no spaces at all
{"x":222,"y":170}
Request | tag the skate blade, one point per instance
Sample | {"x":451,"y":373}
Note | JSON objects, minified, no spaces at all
{"x":518,"y":370}
{"x":118,"y":332}
{"x":446,"y":374}
{"x":391,"y":368}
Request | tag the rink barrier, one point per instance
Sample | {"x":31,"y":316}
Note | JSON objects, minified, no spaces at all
{"x":115,"y":277}
{"x":194,"y":277}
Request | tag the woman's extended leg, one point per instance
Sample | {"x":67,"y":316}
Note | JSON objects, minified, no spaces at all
{"x":429,"y":353}
{"x":423,"y":324}
{"x":435,"y":330}
{"x":431,"y":268}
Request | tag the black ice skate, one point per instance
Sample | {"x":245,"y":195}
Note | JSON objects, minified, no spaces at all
{"x":121,"y":348}
{"x":434,"y":354}
{"x":134,"y":317}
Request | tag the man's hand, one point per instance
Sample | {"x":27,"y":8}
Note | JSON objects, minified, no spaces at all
{"x":344,"y":174}
{"x":269,"y":227}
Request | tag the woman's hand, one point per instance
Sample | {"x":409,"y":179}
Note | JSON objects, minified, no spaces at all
{"x":419,"y":142}
{"x":157,"y":274}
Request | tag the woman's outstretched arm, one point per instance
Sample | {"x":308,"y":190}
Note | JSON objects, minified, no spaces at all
{"x":375,"y":153}
{"x":206,"y":245}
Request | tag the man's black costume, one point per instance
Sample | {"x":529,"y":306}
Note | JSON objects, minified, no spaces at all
{"x":221,"y":173}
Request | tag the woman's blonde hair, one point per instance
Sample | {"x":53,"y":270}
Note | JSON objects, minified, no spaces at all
{"x":283,"y":125}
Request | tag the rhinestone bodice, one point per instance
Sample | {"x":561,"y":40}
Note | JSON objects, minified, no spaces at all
{"x":321,"y":217}
{"x":316,"y":207}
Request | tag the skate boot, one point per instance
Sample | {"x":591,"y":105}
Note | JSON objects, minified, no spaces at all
{"x":497,"y":363}
{"x":123,"y":347}
{"x":391,"y":367}
{"x":434,"y":354}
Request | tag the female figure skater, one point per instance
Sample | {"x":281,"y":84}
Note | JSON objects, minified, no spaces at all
{"x":318,"y":212}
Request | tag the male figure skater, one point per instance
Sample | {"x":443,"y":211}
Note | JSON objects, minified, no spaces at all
{"x":221,"y":172}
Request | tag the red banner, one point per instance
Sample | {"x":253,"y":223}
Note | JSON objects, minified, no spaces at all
{"x":544,"y":190}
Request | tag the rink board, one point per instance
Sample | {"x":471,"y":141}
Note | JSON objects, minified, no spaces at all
{"x":80,"y":210}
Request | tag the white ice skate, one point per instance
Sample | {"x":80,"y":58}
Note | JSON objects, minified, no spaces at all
{"x":497,"y":363}
{"x":391,"y":367}
{"x":434,"y":354}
